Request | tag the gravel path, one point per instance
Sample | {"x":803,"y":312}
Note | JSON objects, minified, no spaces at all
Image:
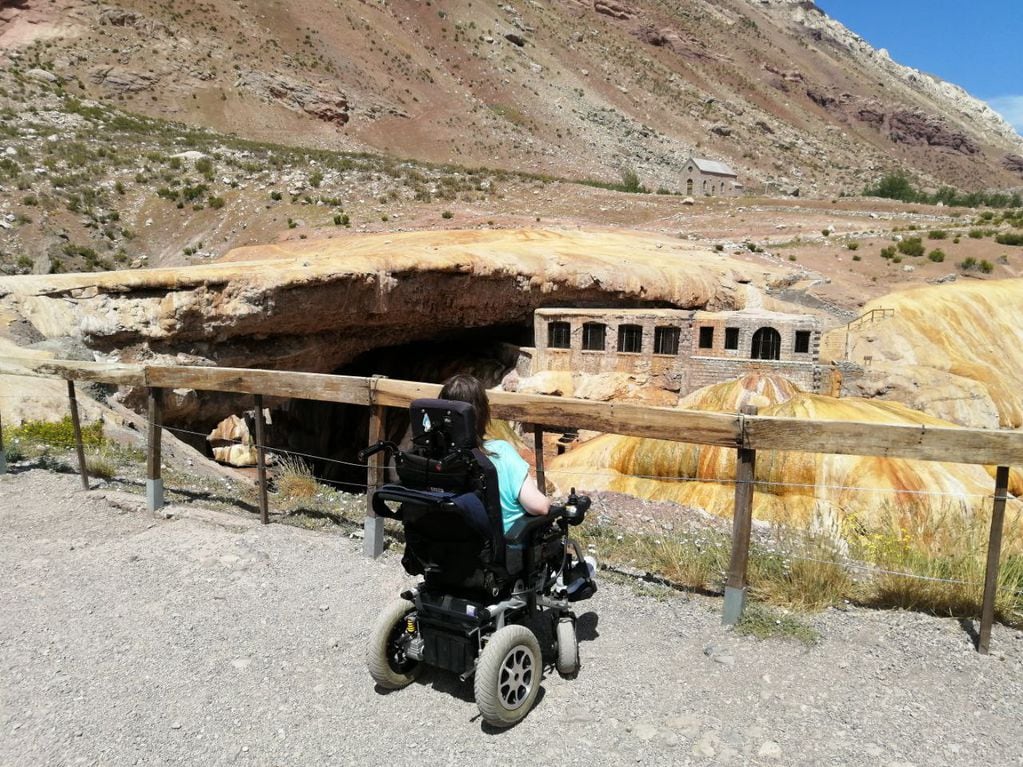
{"x":208,"y":639}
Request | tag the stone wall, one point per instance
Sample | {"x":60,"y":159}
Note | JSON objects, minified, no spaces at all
{"x":749,"y":334}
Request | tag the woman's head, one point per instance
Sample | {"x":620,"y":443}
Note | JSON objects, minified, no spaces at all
{"x":467,"y":388}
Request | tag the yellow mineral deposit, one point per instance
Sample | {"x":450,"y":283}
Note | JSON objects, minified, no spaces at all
{"x":790,"y":486}
{"x":964,"y":337}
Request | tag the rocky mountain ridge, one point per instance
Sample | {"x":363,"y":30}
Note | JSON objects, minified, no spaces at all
{"x":789,"y":97}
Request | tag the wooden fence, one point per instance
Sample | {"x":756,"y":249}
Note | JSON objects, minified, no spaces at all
{"x":746,"y":432}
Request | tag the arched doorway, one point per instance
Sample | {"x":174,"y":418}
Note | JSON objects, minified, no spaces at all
{"x":766,"y":345}
{"x":689,"y":187}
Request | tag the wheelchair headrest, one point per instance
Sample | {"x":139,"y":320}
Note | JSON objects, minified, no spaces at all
{"x":442,"y":425}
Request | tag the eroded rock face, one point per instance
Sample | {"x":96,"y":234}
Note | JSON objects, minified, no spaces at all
{"x":910,"y":127}
{"x":316,"y":306}
{"x":1014,"y":163}
{"x":954,"y":350}
{"x":324,"y":103}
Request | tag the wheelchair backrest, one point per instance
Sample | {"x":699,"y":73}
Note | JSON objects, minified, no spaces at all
{"x":443,"y":458}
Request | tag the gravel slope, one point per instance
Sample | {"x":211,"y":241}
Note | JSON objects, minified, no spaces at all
{"x":207,"y":639}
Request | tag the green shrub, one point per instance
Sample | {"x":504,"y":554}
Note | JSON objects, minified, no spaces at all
{"x":968,"y":264}
{"x":853,"y":245}
{"x":911,"y":246}
{"x":937,"y":234}
{"x":275,"y":196}
{"x":937,"y":255}
{"x":826,"y":232}
{"x":976,"y":234}
{"x":447,"y":214}
{"x":1009,"y":238}
{"x":986,"y":267}
{"x":60,"y":434}
{"x":857,"y":257}
{"x":888,"y":253}
{"x":315,"y":179}
{"x":216,"y":202}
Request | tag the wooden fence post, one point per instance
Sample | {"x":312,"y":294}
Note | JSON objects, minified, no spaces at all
{"x":541,"y":478}
{"x":742,"y":523}
{"x":994,"y":553}
{"x":3,"y":455}
{"x":264,"y":509}
{"x":154,"y":478}
{"x":373,"y":526}
{"x":77,"y":424}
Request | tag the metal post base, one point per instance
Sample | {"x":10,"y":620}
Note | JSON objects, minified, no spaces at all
{"x":735,"y":603}
{"x":373,"y":537}
{"x":154,"y":494}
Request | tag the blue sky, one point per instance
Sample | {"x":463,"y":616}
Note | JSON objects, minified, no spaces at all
{"x":974,"y":44}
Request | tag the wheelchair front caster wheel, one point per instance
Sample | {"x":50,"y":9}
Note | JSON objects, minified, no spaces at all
{"x":508,"y":676}
{"x":568,"y":648}
{"x":385,"y":653}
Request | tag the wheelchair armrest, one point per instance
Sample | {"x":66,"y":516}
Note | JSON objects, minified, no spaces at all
{"x":527,"y":524}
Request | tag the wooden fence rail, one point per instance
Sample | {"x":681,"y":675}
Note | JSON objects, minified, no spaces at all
{"x":745,"y":432}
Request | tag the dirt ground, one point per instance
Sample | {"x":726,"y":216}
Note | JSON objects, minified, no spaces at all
{"x":201,"y":637}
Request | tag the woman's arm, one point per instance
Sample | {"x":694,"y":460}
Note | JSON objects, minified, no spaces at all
{"x":532,"y":500}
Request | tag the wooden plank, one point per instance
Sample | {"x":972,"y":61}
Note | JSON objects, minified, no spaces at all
{"x":269,"y":383}
{"x":154,"y":424}
{"x":154,"y":453}
{"x":100,"y":372}
{"x":541,"y":478}
{"x":926,"y":443}
{"x":742,"y":525}
{"x":264,"y":506}
{"x":77,"y":425}
{"x":994,"y":553}
{"x":373,"y":526}
{"x":616,"y":417}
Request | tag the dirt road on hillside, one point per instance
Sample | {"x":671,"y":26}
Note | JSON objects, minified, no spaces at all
{"x":208,"y":639}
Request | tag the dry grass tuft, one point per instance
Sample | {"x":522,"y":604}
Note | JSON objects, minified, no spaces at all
{"x":294,"y":479}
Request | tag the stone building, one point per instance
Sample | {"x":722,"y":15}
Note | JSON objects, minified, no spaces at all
{"x":709,"y":178}
{"x":680,"y":350}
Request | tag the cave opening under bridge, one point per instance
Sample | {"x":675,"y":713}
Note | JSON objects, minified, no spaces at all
{"x":334,"y":432}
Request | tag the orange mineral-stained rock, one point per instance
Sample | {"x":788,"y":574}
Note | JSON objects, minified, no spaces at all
{"x":791,"y":486}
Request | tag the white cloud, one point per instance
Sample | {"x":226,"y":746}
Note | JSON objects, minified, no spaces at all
{"x":1011,"y":108}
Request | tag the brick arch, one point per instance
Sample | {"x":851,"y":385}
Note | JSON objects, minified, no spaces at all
{"x":766,"y":344}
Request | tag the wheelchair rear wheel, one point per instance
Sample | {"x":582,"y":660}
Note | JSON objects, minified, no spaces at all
{"x":385,"y":653}
{"x":508,"y":676}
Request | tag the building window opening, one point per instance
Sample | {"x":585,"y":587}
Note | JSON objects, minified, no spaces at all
{"x":802,"y":341}
{"x":666,"y":340}
{"x":731,"y":338}
{"x":689,"y":186}
{"x":630,"y":339}
{"x":593,"y":336}
{"x":766,"y":345}
{"x":559,"y":335}
{"x":706,"y":338}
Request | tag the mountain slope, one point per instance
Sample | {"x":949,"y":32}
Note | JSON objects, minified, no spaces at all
{"x":575,"y":88}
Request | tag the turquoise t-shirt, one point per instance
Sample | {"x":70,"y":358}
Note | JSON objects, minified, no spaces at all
{"x":512,"y":471}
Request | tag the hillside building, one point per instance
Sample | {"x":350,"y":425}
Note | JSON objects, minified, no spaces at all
{"x":680,"y":350}
{"x":709,"y":178}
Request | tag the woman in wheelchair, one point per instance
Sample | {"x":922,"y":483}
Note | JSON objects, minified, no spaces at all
{"x":518,"y":490}
{"x":494,"y":554}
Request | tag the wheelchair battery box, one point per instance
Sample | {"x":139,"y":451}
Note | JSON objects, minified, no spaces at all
{"x":447,"y":624}
{"x":446,"y":649}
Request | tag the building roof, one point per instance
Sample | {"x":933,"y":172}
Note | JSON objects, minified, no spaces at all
{"x":712,"y":166}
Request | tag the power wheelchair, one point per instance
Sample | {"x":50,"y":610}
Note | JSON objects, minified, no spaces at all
{"x":479,"y":586}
